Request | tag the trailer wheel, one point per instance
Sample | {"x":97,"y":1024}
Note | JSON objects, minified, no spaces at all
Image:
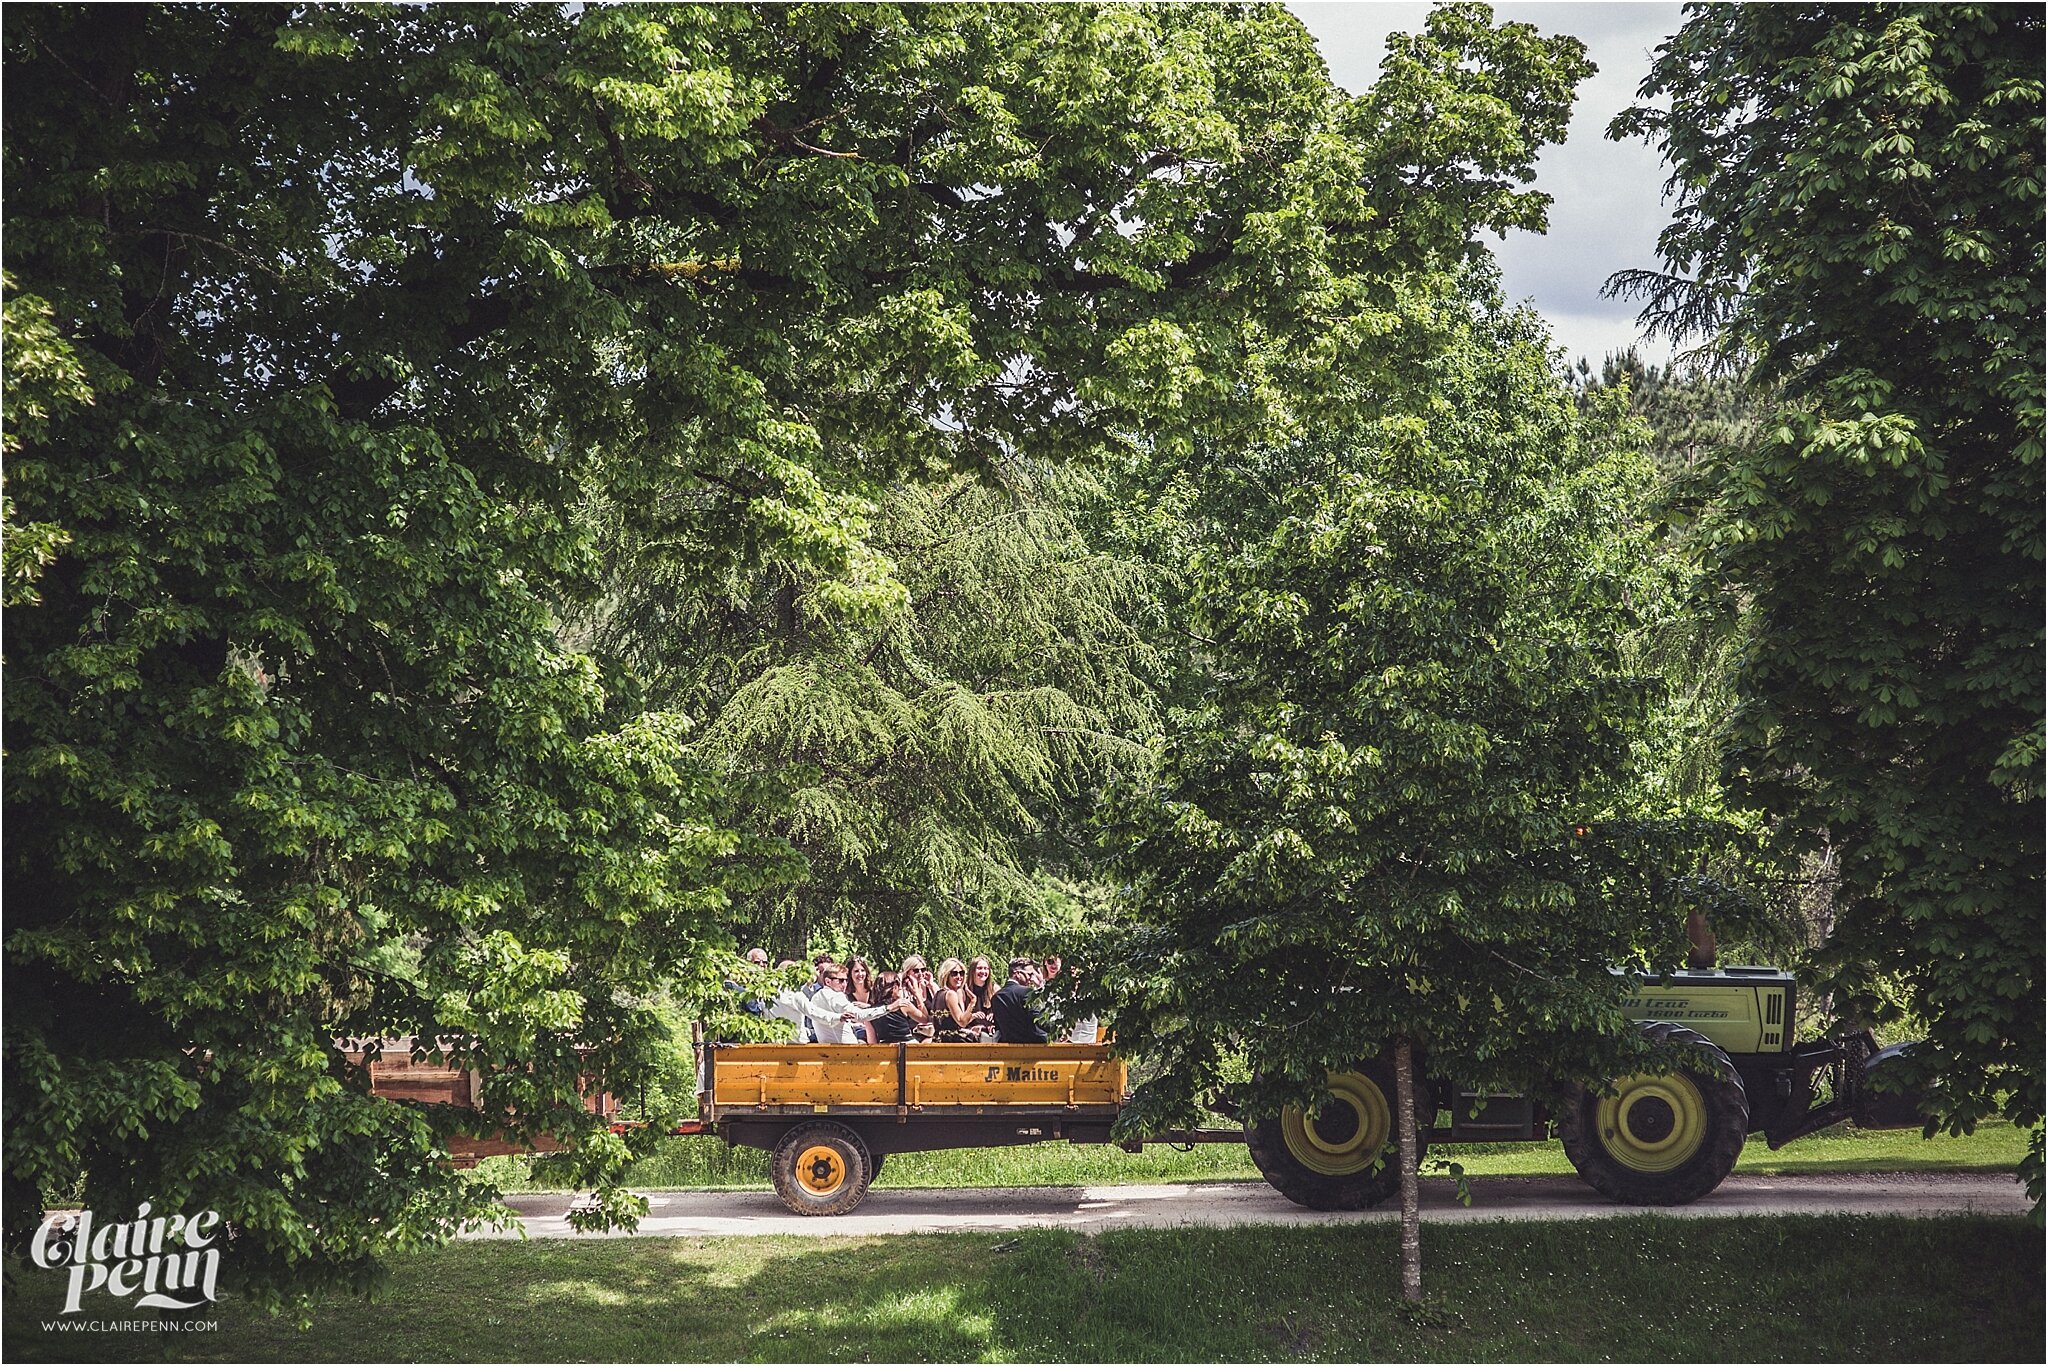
{"x":1660,"y":1139}
{"x":1345,"y":1155}
{"x":821,"y":1168}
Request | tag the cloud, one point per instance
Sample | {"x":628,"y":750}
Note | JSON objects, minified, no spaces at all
{"x":1353,"y":37}
{"x":1607,"y":198}
{"x":1595,"y":336}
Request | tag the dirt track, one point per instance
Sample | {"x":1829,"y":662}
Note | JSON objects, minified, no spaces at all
{"x":1095,"y":1208}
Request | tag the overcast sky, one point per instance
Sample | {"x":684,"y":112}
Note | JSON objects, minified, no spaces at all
{"x":1607,"y":196}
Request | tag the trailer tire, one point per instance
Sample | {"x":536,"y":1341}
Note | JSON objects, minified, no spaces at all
{"x":1661,"y":1139}
{"x":1346,"y":1155}
{"x":821,"y":1168}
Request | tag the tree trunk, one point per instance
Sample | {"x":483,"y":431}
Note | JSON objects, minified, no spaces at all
{"x":785,"y":608}
{"x":1411,"y":1211}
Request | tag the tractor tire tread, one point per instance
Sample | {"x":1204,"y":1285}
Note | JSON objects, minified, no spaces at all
{"x":1727,"y":1127}
{"x":1313,"y":1190}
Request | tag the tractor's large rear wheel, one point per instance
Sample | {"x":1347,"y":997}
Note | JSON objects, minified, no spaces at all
{"x":1660,"y":1139}
{"x":821,"y":1168}
{"x":1345,"y":1154}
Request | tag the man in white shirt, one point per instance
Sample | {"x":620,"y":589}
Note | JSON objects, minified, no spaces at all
{"x":808,"y":1031}
{"x":829,"y":1012}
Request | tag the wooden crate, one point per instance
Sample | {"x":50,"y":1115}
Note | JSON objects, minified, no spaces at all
{"x":395,"y":1076}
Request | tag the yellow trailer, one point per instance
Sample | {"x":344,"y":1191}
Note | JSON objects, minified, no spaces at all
{"x":828,"y":1114}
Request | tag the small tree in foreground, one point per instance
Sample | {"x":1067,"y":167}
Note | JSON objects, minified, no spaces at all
{"x":1361,"y":841}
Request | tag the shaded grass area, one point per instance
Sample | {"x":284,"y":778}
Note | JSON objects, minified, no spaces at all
{"x":705,"y":1163}
{"x":1996,"y":1146}
{"x":1639,"y":1288}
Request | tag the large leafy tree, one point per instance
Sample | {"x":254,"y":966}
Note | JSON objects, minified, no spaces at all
{"x":328,"y":322}
{"x":294,"y":752}
{"x":1367,"y":834}
{"x":1859,"y":217}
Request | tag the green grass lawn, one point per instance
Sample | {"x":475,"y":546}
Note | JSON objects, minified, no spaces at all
{"x":705,"y":1163}
{"x":1637,"y":1288}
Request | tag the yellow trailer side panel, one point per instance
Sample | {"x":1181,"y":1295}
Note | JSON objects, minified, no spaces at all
{"x":933,"y":1076}
{"x":1014,"y":1074}
{"x":804,"y":1074}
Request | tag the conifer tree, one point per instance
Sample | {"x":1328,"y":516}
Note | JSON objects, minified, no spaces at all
{"x":928,"y":748}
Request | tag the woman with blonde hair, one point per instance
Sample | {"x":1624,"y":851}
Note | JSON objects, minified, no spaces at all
{"x":953,"y":1011}
{"x":916,"y":996}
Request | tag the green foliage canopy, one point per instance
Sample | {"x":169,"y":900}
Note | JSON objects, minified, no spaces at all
{"x":324,"y":324}
{"x":930,"y":754}
{"x":1859,"y":213}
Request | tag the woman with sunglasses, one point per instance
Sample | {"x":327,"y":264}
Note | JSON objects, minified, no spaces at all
{"x":893,"y":1025}
{"x":916,"y":994}
{"x":954,"y":1010}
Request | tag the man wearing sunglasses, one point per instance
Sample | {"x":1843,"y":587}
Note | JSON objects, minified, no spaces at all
{"x":832,"y":1012}
{"x":1016,"y":1016}
{"x":826,"y":1015}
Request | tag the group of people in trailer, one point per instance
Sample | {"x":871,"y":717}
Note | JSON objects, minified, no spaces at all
{"x":961,"y":1002}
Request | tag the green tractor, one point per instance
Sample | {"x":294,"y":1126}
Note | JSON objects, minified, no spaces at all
{"x":1649,"y":1139}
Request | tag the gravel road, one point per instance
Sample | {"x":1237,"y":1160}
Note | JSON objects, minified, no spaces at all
{"x":1091,"y":1209}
